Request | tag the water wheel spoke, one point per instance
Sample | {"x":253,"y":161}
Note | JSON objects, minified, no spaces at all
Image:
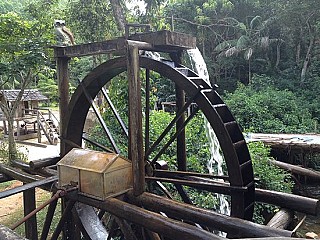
{"x":100,"y":118}
{"x":115,"y":112}
{"x":171,"y":125}
{"x":174,"y":136}
{"x":63,"y":219}
{"x":48,"y":219}
{"x":126,"y":229}
{"x":94,"y":143}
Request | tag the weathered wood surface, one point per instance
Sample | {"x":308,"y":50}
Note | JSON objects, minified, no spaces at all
{"x":205,"y":217}
{"x":297,"y":169}
{"x":8,"y":234}
{"x":289,"y":201}
{"x":281,"y":219}
{"x":44,"y":162}
{"x":161,"y":41}
{"x":155,"y":222}
{"x":63,"y":87}
{"x":136,"y":150}
{"x":29,"y":205}
{"x":27,"y":186}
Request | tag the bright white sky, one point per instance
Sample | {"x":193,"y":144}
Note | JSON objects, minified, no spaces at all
{"x":136,"y":3}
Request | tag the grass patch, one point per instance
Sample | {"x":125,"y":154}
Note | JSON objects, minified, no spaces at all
{"x":6,"y":185}
{"x":42,"y":196}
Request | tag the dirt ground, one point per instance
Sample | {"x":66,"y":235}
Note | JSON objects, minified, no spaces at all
{"x":11,"y":204}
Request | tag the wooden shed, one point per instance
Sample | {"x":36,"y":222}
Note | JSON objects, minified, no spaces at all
{"x":29,"y":101}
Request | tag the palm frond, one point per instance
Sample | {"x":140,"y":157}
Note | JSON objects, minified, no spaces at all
{"x":255,"y":22}
{"x":243,"y":42}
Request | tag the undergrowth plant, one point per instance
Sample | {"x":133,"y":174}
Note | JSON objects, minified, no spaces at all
{"x":268,"y":177}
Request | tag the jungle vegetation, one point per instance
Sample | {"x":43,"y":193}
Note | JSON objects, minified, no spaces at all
{"x":263,"y":54}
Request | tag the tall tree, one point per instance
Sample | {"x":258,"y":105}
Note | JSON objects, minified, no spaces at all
{"x":21,"y":56}
{"x":300,"y":24}
{"x":118,"y":14}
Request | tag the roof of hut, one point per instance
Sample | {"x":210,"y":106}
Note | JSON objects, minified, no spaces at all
{"x":28,"y":95}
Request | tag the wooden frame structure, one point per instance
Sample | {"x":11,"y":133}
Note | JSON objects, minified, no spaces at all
{"x":241,"y":184}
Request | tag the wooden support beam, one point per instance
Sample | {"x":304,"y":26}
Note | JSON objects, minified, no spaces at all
{"x":153,"y":221}
{"x":297,"y":169}
{"x":136,"y":152}
{"x":181,"y":138}
{"x":289,"y":201}
{"x":17,"y":174}
{"x":211,"y":219}
{"x":44,"y":162}
{"x":165,"y":41}
{"x":63,"y":84}
{"x":29,"y":204}
{"x":27,"y":186}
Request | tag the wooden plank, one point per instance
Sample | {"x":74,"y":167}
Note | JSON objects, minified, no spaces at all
{"x":27,"y":186}
{"x":166,"y":41}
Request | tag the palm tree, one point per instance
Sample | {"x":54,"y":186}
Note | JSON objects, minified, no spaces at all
{"x":253,"y":36}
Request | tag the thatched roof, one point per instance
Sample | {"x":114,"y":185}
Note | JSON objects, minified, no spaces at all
{"x":28,"y":95}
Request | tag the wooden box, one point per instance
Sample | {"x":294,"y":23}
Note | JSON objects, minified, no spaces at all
{"x":97,"y":174}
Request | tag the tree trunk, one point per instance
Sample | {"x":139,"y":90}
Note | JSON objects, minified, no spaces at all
{"x":118,"y":14}
{"x":308,"y":55}
{"x":278,"y":55}
{"x":298,"y":53}
{"x":11,"y":141}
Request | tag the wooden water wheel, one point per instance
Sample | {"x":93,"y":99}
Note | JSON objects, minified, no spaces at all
{"x":192,"y":90}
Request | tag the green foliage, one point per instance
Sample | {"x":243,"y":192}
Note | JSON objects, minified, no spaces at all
{"x":263,"y":108}
{"x":91,"y":20}
{"x":4,"y":152}
{"x":268,"y":177}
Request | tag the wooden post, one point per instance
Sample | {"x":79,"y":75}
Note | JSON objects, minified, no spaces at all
{"x":29,"y":204}
{"x":38,"y":128}
{"x":181,"y":138}
{"x":136,"y":153}
{"x":63,"y":84}
{"x":147,"y":112}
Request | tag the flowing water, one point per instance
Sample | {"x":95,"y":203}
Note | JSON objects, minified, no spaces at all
{"x":215,"y":164}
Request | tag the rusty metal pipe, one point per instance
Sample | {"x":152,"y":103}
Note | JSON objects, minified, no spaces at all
{"x":57,"y":195}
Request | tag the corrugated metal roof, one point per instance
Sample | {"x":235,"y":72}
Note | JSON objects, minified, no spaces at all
{"x":28,"y":95}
